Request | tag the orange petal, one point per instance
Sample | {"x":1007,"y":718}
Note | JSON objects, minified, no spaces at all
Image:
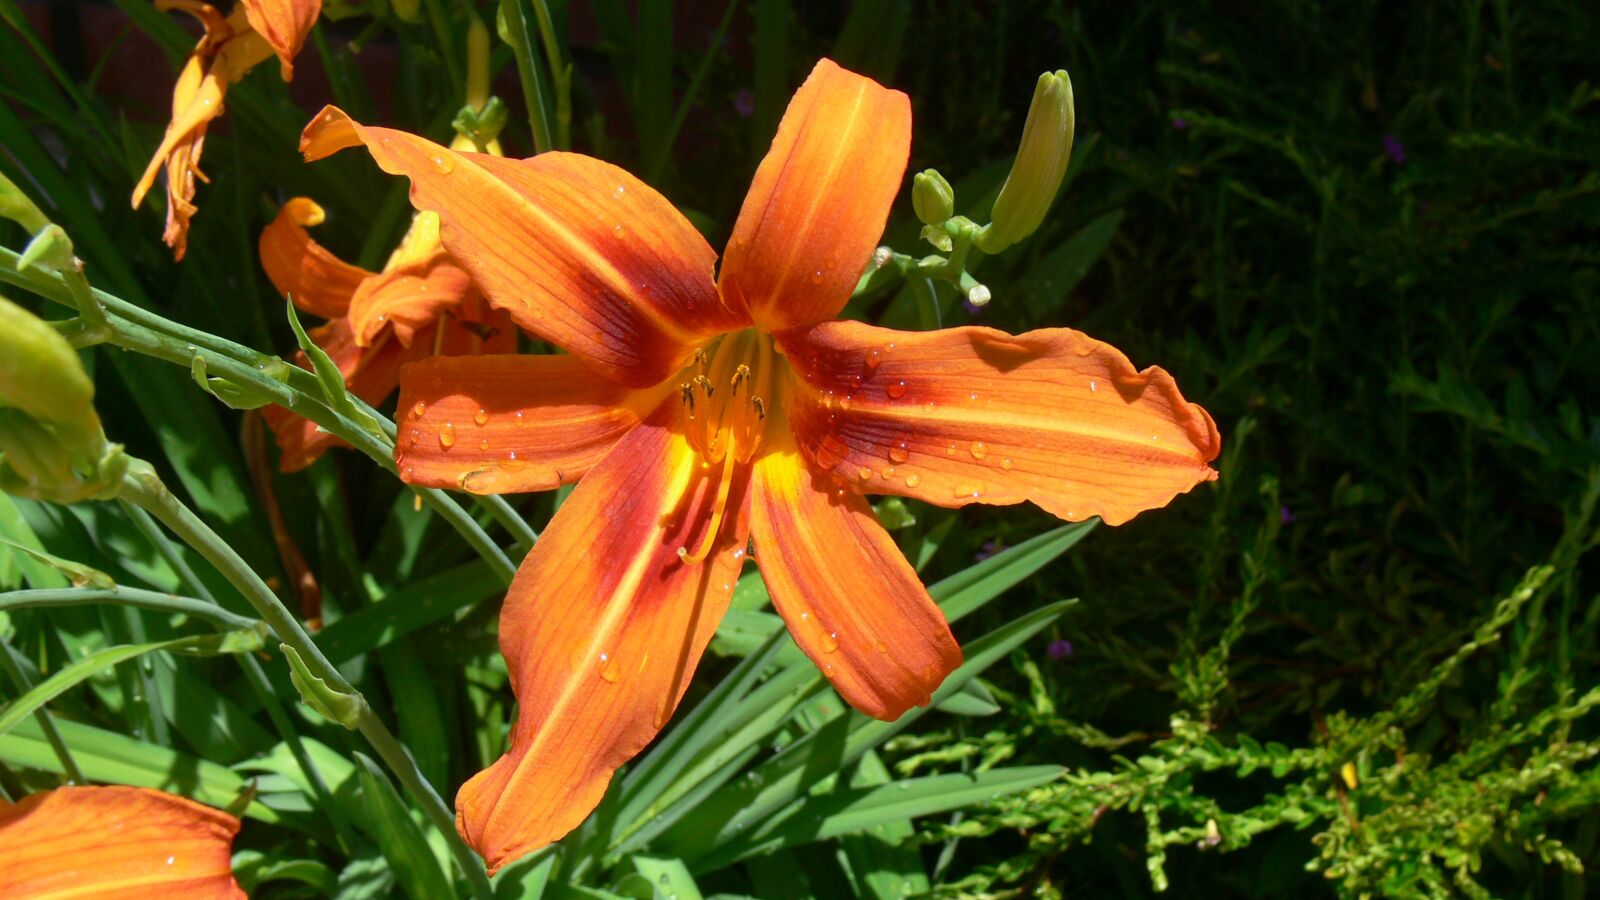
{"x":370,"y":373}
{"x":115,"y":842}
{"x":225,"y":53}
{"x":970,"y":415}
{"x":819,"y":201}
{"x":852,"y":602}
{"x":505,"y":424}
{"x":578,"y":251}
{"x":601,"y":630}
{"x":284,"y":24}
{"x":318,"y":282}
{"x":408,"y":298}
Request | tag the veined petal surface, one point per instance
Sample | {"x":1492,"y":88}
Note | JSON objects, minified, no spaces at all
{"x":968,"y":415}
{"x":819,"y":201}
{"x":408,"y":298}
{"x":851,"y":600}
{"x":284,"y":24}
{"x":602,"y":630}
{"x":302,"y":269}
{"x":115,"y":841}
{"x":506,"y":424}
{"x":578,"y":251}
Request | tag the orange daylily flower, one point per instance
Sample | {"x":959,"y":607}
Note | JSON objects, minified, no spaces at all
{"x":115,"y":841}
{"x":230,"y":47}
{"x":422,"y":304}
{"x":705,"y":414}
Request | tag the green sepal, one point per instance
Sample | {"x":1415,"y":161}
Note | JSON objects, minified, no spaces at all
{"x":50,"y":250}
{"x":337,"y":706}
{"x":480,"y":126}
{"x":234,"y":396}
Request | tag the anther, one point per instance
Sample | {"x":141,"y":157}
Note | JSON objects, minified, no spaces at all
{"x":739,"y":375}
{"x":761,"y":408}
{"x":701,"y":358}
{"x":687,"y":391}
{"x":705,"y":385}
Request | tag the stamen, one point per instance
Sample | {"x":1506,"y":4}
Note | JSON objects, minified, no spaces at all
{"x":717,"y":510}
{"x":687,"y":392}
{"x":740,"y":374}
{"x":705,"y":385}
{"x":761,"y":408}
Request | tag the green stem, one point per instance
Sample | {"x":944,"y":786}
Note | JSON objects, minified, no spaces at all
{"x":47,"y":725}
{"x":55,"y":598}
{"x":560,"y":73}
{"x":658,"y":160}
{"x":144,"y":488}
{"x":534,"y":90}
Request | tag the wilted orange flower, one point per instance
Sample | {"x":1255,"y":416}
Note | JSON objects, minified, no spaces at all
{"x":422,"y":304}
{"x":230,"y":47}
{"x":706,"y":414}
{"x":115,"y":842}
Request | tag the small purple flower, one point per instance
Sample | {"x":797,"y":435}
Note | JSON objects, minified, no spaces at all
{"x":1059,"y":649}
{"x":1393,"y":149}
{"x":1180,"y":123}
{"x":744,"y":103}
{"x":989,"y":548}
{"x":1285,"y":515}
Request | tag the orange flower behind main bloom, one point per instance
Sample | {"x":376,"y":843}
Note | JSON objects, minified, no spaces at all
{"x":115,"y":841}
{"x":702,"y":413}
{"x":422,"y":304}
{"x":229,"y":48}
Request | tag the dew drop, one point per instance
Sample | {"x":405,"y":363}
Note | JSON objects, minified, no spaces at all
{"x":831,"y":452}
{"x":447,"y":436}
{"x":889,"y":471}
{"x":617,"y":230}
{"x":897,"y":389}
{"x":520,"y":419}
{"x":805,"y":617}
{"x":608,"y":668}
{"x":405,"y":474}
{"x":481,"y":417}
{"x":874,"y":357}
{"x":816,"y":277}
{"x":844,"y":402}
{"x":1092,"y":386}
{"x":973,"y":396}
{"x":620,"y":190}
{"x":483,"y":444}
{"x":727,"y":586}
{"x":969,"y":490}
{"x":927,"y":407}
{"x":1005,"y":462}
{"x":899,"y":452}
{"x":444,"y":164}
{"x":882,"y":647}
{"x":831,"y":642}
{"x":864,"y":474}
{"x":419,"y":409}
{"x":979,"y":449}
{"x":171,"y":860}
{"x":950,"y":449}
{"x":913,"y":480}
{"x":739,"y":553}
{"x":511,"y":455}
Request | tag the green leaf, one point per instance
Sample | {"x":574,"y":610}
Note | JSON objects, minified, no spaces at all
{"x":232,"y":395}
{"x":113,"y":758}
{"x":71,"y":675}
{"x":967,"y":591}
{"x":399,"y":838}
{"x":973,"y":700}
{"x":854,"y":810}
{"x":80,"y":575}
{"x":667,"y":877}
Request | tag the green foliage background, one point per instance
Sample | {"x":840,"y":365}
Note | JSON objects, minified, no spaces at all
{"x":1364,"y":662}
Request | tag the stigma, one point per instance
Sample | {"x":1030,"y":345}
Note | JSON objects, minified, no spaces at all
{"x":725,"y":391}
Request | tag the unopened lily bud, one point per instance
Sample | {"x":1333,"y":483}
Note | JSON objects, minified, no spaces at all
{"x":1040,"y":165}
{"x":50,"y":249}
{"x":932,"y":197}
{"x":477,"y":62}
{"x":41,"y":375}
{"x":16,"y":206}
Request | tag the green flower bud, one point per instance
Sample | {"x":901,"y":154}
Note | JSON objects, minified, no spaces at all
{"x":1040,"y":165}
{"x":41,"y":375}
{"x":932,"y":197}
{"x":407,"y":10}
{"x":16,"y":206}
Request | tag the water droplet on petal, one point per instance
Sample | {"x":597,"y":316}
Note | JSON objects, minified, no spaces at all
{"x":1005,"y":462}
{"x":620,"y":190}
{"x":967,"y":489}
{"x":865,"y":474}
{"x":883,"y":648}
{"x":511,"y":455}
{"x":447,"y":435}
{"x":831,"y":642}
{"x":483,"y":444}
{"x":979,"y":449}
{"x":418,"y":409}
{"x":481,"y":417}
{"x":444,"y":164}
{"x":608,"y":668}
{"x":874,"y":356}
{"x":816,"y":277}
{"x":830,"y":452}
{"x":897,"y":389}
{"x":899,"y":452}
{"x":1091,"y":386}
{"x":520,"y":419}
